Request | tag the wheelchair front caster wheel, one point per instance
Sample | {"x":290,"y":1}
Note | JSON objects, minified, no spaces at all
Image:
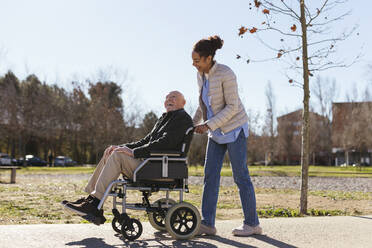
{"x":116,"y":225}
{"x":157,"y":219}
{"x":182,"y":221}
{"x":131,"y":229}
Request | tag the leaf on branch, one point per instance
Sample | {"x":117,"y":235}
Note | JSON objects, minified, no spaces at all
{"x":266,"y":11}
{"x":257,"y":3}
{"x":279,"y":55}
{"x":238,"y":56}
{"x":317,"y":11}
{"x":263,"y":23}
{"x":248,"y":61}
{"x":332,"y":46}
{"x":253,"y":30}
{"x":298,"y":58}
{"x":242,"y":30}
{"x":294,"y":27}
{"x":290,"y":81}
{"x":310,"y":74}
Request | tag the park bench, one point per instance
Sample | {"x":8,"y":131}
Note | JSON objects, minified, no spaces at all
{"x":13,"y":172}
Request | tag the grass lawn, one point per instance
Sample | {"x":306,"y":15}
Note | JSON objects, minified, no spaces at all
{"x":285,"y":170}
{"x":36,"y":198}
{"x":279,"y":170}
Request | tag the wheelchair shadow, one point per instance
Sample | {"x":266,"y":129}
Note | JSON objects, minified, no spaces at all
{"x":161,"y":239}
{"x":156,"y":242}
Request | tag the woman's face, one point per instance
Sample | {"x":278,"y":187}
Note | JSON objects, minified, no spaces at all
{"x":202,"y":64}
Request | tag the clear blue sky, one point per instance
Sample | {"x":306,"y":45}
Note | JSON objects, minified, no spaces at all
{"x":152,"y":41}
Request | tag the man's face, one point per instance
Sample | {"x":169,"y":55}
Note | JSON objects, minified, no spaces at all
{"x":202,"y":64}
{"x":174,"y":101}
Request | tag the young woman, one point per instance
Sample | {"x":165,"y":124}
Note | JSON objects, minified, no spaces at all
{"x":222,"y":114}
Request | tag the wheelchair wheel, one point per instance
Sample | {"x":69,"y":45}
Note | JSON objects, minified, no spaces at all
{"x":182,"y":221}
{"x":116,"y":225}
{"x":157,"y":219}
{"x":131,"y":229}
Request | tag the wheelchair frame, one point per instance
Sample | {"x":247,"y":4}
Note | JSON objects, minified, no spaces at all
{"x":165,"y":213}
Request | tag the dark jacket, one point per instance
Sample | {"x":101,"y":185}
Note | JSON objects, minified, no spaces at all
{"x":167,"y":134}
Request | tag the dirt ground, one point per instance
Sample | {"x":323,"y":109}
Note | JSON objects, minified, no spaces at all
{"x":37,"y":200}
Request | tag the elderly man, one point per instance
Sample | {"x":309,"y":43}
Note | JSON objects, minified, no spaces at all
{"x":167,"y":134}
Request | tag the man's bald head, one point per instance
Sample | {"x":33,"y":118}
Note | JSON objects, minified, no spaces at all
{"x":174,"y":101}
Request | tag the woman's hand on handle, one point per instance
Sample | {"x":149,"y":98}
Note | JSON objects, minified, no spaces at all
{"x":201,"y":128}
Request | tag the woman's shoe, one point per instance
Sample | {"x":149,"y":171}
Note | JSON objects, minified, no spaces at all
{"x":245,"y":230}
{"x":207,"y":230}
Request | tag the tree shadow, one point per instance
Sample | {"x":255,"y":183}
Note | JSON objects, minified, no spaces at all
{"x":229,"y":242}
{"x":274,"y":242}
{"x":363,"y":217}
{"x":264,"y":238}
{"x":90,"y":243}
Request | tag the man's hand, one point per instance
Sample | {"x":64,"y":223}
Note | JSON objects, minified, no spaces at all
{"x":201,"y":128}
{"x":125,"y":150}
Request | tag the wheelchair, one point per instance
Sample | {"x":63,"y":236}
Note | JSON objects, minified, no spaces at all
{"x":162,"y":171}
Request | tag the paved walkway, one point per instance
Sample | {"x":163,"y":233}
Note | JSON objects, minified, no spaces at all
{"x":343,"y":231}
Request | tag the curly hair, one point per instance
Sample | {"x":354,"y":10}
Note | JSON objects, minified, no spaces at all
{"x":208,"y":47}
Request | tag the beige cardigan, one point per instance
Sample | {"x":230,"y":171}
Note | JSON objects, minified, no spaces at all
{"x":228,"y":110}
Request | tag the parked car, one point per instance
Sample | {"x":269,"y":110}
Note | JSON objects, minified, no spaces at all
{"x":64,"y":161}
{"x":32,"y":160}
{"x":5,"y":159}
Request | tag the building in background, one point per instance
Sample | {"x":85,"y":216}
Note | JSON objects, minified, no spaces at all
{"x":351,"y":133}
{"x":289,"y":138}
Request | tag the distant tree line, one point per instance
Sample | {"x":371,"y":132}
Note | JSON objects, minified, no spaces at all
{"x":41,"y":119}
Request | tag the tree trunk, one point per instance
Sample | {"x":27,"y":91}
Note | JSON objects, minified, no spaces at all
{"x":305,"y":115}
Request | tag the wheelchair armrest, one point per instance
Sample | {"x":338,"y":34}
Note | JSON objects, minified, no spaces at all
{"x":166,"y":153}
{"x":161,"y":167}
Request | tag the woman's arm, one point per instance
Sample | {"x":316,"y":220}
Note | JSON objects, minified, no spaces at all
{"x":231,"y":97}
{"x":197,"y":116}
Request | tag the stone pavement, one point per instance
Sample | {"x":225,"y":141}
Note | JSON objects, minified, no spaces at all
{"x":341,"y":231}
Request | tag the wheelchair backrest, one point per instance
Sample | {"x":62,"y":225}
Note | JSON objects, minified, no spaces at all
{"x":187,"y":141}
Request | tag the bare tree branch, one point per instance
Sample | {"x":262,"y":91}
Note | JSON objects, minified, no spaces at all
{"x":319,"y":11}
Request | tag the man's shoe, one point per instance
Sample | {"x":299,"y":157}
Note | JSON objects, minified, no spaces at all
{"x":82,"y":209}
{"x":245,"y":230}
{"x":207,"y":230}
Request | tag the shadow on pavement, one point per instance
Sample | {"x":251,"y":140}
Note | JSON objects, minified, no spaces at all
{"x":163,"y":240}
{"x":91,"y":243}
{"x":363,"y":217}
{"x":273,"y":242}
{"x":229,"y":242}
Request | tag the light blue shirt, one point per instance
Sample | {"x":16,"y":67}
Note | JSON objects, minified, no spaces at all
{"x":217,"y":135}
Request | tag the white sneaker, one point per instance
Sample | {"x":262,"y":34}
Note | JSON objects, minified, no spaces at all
{"x":245,"y":230}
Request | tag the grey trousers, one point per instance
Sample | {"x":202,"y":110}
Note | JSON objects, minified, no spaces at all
{"x":108,"y":169}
